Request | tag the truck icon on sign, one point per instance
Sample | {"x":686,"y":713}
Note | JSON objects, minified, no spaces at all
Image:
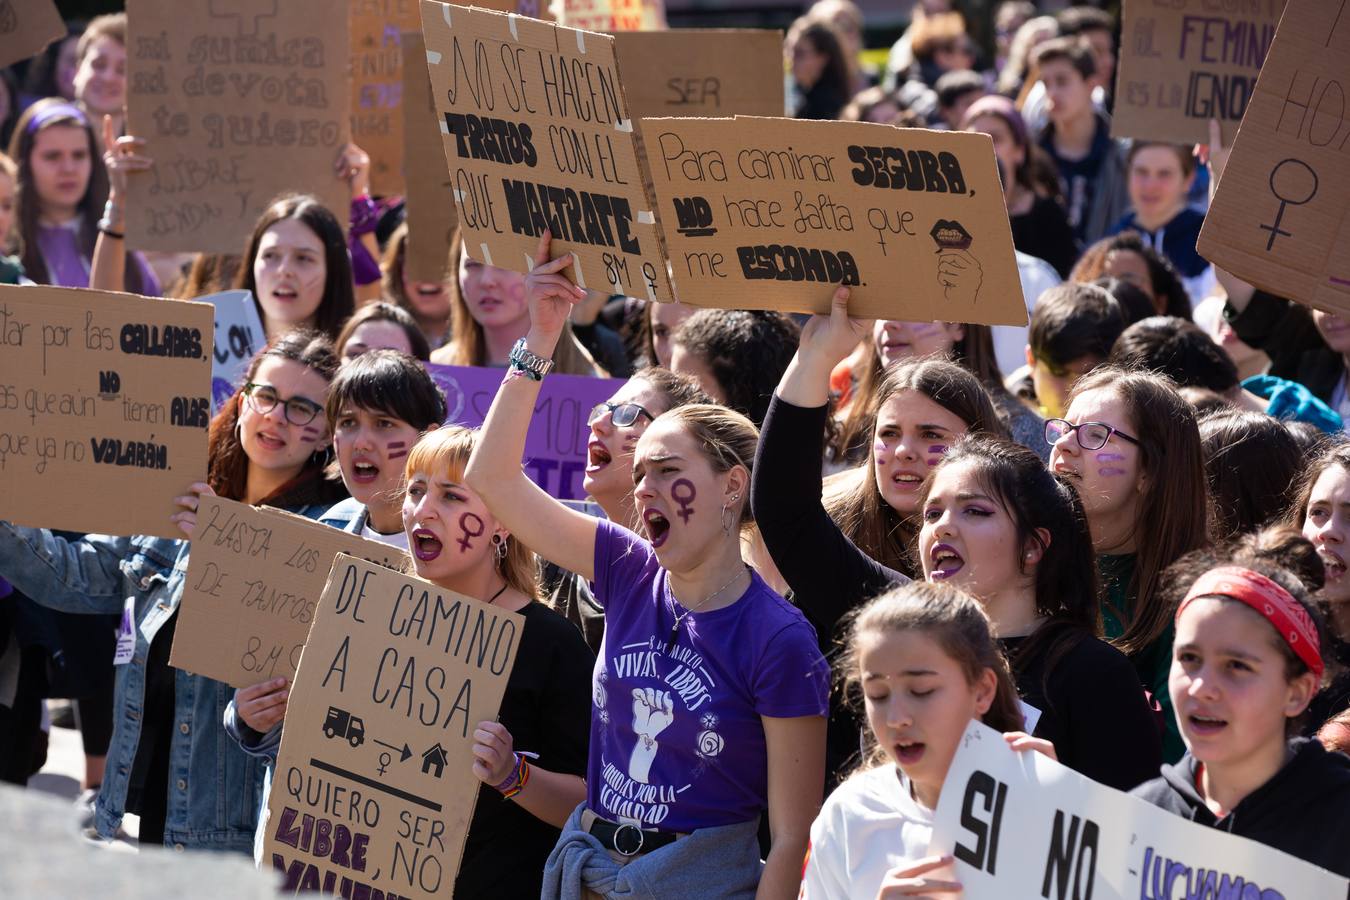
{"x":342,"y":724}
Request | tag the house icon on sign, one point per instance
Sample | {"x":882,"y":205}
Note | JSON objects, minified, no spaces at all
{"x":434,"y":757}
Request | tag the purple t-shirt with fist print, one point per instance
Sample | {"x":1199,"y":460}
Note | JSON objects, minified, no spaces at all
{"x":676,"y":738}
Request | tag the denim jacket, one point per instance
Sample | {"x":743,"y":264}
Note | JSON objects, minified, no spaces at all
{"x":214,"y":787}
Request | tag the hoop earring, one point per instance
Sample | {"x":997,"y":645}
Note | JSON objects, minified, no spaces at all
{"x":239,"y":431}
{"x":499,"y":548}
{"x":726,"y":518}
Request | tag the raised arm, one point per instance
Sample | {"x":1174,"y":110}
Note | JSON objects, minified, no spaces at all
{"x":545,"y":525}
{"x":108,"y":268}
{"x":826,"y":571}
{"x":81,"y":576}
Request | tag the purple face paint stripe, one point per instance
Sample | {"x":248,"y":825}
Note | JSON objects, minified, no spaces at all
{"x":1110,"y":470}
{"x":1110,"y":457}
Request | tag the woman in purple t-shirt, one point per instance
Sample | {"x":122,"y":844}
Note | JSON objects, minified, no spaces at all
{"x":709,"y":693}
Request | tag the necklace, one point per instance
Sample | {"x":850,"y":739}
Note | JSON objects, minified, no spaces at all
{"x":501,"y":590}
{"x":679,"y":617}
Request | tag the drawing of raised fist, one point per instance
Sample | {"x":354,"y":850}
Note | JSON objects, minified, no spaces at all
{"x":960,"y":275}
{"x":653,"y":711}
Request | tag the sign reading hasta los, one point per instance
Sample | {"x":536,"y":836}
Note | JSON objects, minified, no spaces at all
{"x":105,"y":400}
{"x":374,"y":789}
{"x":1281,"y":213}
{"x":26,"y":28}
{"x":238,"y":101}
{"x":254,"y":580}
{"x":1022,"y":825}
{"x":773,"y":213}
{"x":1185,"y":62}
{"x":538,"y":136}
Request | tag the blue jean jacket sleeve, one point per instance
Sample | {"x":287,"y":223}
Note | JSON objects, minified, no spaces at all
{"x":254,"y":743}
{"x":71,"y":576}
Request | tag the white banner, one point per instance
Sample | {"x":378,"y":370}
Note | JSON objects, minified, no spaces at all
{"x":239,"y":335}
{"x":1021,"y":825}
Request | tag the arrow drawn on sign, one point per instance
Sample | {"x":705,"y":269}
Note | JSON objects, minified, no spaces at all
{"x":403,"y":753}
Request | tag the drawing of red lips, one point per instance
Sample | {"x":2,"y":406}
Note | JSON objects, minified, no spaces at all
{"x":950,"y":235}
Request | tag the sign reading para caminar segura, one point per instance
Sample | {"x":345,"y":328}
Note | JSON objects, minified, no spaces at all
{"x":538,"y":136}
{"x":774,"y":213}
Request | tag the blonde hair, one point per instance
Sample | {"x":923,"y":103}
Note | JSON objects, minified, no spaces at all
{"x":467,"y":347}
{"x":726,"y":438}
{"x":446,"y":451}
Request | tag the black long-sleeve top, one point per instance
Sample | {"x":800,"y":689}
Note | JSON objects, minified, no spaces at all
{"x":1091,"y":705}
{"x":1285,"y":331}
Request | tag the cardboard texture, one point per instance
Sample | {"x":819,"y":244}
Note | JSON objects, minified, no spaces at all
{"x":538,"y":135}
{"x":774,"y":213}
{"x":430,"y":203}
{"x":1186,"y":62}
{"x":105,"y":400}
{"x":702,"y":72}
{"x":26,"y":28}
{"x":1281,"y":213}
{"x":613,"y":15}
{"x":254,"y":579}
{"x":555,"y":446}
{"x":377,"y":28}
{"x":237,"y":102}
{"x":396,"y":674}
{"x":239,"y":335}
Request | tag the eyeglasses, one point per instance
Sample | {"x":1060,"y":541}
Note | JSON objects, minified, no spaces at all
{"x":297,"y":410}
{"x":1090,"y":435}
{"x":621,"y":414}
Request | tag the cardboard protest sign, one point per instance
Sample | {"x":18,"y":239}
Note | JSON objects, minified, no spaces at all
{"x":613,"y":15}
{"x":105,"y":399}
{"x":702,"y":72}
{"x":774,"y":213}
{"x":237,"y":102}
{"x":538,"y":136}
{"x":377,"y":28}
{"x":555,"y":447}
{"x":26,"y":28}
{"x":374,"y":789}
{"x":1281,"y":214}
{"x":430,"y":204}
{"x":1022,"y":825}
{"x":254,"y":579}
{"x":239,"y":335}
{"x":1188,"y":61}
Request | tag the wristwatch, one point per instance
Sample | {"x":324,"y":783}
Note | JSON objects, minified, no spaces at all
{"x":532,"y":364}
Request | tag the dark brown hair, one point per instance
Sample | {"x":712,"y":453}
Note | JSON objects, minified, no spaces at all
{"x":1250,"y":462}
{"x":227,"y":463}
{"x":1172,"y":516}
{"x":339,"y":296}
{"x":746,"y":352}
{"x":958,"y":624}
{"x":386,"y":312}
{"x":28,"y":206}
{"x":392,"y":263}
{"x":1072,"y":50}
{"x":1163,"y":279}
{"x":852,"y":498}
{"x":1333,"y":456}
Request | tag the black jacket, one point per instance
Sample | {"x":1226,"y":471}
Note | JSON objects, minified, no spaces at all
{"x":1285,"y":331}
{"x":1304,"y":810}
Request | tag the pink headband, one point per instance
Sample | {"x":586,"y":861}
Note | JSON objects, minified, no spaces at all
{"x":56,"y":111}
{"x":1273,"y":602}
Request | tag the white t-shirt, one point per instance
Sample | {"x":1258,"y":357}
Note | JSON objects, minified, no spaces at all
{"x":867,"y":827}
{"x":397,"y":539}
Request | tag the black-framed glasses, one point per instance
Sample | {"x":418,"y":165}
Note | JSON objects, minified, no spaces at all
{"x":621,"y":414}
{"x":1090,"y":435}
{"x":297,"y":410}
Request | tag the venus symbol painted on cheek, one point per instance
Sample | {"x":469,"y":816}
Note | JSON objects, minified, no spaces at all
{"x":1107,"y":471}
{"x":398,"y":450}
{"x":465,"y":521}
{"x":682,"y":492}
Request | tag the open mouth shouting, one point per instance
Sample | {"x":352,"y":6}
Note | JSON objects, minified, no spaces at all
{"x":285,"y":293}
{"x":907,"y":481}
{"x":597,"y":456}
{"x":1204,"y":726}
{"x":907,"y":753}
{"x":946,"y":562}
{"x":425,"y":545}
{"x":657,"y":525}
{"x":269,"y":441}
{"x":364,"y":471}
{"x":1332,"y":563}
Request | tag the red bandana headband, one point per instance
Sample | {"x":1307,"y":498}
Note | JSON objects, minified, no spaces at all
{"x":1273,"y":602}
